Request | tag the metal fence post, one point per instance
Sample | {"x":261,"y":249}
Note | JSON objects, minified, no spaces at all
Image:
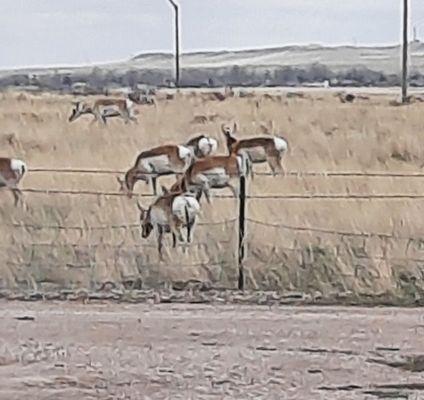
{"x":242,"y":230}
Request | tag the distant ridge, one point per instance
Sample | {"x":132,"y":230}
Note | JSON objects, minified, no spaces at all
{"x":283,"y":65}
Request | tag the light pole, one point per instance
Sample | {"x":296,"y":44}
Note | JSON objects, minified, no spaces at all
{"x":177,"y":42}
{"x":405,"y":52}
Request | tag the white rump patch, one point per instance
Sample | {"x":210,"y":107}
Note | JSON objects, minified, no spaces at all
{"x":129,"y":103}
{"x":280,"y":144}
{"x":18,"y":166}
{"x":214,"y":144}
{"x":208,"y":146}
{"x":185,"y":153}
{"x":179,"y":205}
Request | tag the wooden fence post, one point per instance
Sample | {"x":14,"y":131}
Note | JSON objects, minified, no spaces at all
{"x":242,"y":229}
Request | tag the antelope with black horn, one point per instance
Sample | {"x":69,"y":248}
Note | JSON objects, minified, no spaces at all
{"x":159,"y":161}
{"x":215,"y":172}
{"x":202,"y":145}
{"x":12,"y":171}
{"x":170,"y":213}
{"x":105,"y":108}
{"x":259,"y":149}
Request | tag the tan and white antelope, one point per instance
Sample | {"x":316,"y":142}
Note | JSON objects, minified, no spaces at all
{"x":169,"y":213}
{"x":202,"y":145}
{"x":12,"y":171}
{"x":159,"y":161}
{"x":105,"y":108}
{"x":215,"y":172}
{"x":258,"y":149}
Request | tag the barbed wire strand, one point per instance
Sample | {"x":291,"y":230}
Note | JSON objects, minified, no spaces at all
{"x":105,"y":227}
{"x":312,"y":196}
{"x":331,"y":231}
{"x":359,"y":257}
{"x":100,"y":193}
{"x":289,"y":173}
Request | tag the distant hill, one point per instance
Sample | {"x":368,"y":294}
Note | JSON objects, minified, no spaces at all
{"x":289,"y":65}
{"x":385,"y":59}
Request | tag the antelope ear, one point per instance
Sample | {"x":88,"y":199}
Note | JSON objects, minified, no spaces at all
{"x":140,"y":207}
{"x":224,"y":129}
{"x":120,"y":180}
{"x":164,"y":190}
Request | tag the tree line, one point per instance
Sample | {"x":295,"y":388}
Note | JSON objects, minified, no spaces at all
{"x":98,"y":80}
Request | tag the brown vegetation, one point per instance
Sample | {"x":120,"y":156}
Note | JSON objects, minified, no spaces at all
{"x":324,"y":136}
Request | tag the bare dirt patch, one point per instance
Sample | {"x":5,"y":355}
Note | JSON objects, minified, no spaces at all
{"x":111,"y":351}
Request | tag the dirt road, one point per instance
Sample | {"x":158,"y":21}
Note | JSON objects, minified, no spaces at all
{"x":117,"y":351}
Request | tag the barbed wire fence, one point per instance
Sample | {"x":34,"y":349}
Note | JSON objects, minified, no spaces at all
{"x":241,"y":218}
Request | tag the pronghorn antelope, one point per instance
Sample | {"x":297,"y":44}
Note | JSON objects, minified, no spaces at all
{"x":169,"y":213}
{"x":11,"y":173}
{"x":215,"y":172}
{"x":159,"y":161}
{"x":105,"y":108}
{"x":258,"y":149}
{"x":202,"y":146}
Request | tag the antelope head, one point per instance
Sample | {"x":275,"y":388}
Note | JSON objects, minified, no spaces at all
{"x":133,"y":175}
{"x":165,"y":191}
{"x":145,"y":223}
{"x":228,"y":133}
{"x":79,"y":109}
{"x":123,"y":187}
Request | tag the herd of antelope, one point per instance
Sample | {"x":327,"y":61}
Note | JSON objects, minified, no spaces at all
{"x":195,"y":164}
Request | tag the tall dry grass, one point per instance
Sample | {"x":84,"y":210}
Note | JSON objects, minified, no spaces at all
{"x":324,"y":135}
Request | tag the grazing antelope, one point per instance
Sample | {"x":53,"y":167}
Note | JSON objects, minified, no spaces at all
{"x":258,"y":149}
{"x":105,"y":108}
{"x":159,"y":161}
{"x":215,"y":172}
{"x":169,"y":213}
{"x":202,"y":145}
{"x":11,"y":173}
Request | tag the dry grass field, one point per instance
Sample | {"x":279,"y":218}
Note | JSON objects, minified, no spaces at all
{"x":324,"y":135}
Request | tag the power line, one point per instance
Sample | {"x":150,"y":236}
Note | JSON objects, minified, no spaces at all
{"x":175,"y":6}
{"x":405,"y":51}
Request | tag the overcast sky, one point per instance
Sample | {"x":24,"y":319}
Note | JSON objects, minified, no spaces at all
{"x":62,"y":32}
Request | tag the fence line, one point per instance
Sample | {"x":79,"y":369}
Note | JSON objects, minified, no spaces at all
{"x":148,"y":266}
{"x":241,"y":217}
{"x":85,"y":228}
{"x":300,"y":174}
{"x":106,"y":227}
{"x":312,"y":196}
{"x":100,"y":193}
{"x":342,"y":174}
{"x":337,"y":196}
{"x":120,"y":246}
{"x":330,"y":231}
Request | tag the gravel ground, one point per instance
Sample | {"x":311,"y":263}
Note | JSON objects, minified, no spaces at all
{"x":124,"y":351}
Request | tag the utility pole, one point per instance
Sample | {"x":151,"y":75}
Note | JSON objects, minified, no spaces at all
{"x":177,"y":42}
{"x":405,"y":52}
